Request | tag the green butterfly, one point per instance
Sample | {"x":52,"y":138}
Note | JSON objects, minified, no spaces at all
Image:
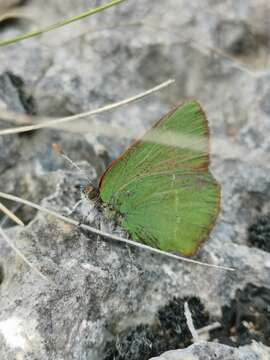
{"x":163,"y":191}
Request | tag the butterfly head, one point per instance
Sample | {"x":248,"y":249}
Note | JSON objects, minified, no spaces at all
{"x":90,"y":192}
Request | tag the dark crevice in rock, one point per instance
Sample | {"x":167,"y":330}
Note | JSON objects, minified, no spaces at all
{"x":2,"y":275}
{"x":169,"y":331}
{"x":239,"y":38}
{"x":255,"y":211}
{"x":26,"y":100}
{"x":10,"y":22}
{"x":247,"y":318}
{"x":259,"y":233}
{"x":10,"y":19}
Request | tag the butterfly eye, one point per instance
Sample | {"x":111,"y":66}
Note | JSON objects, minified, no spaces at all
{"x":90,"y":192}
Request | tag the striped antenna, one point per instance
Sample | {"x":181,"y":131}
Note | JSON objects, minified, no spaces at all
{"x":59,"y":151}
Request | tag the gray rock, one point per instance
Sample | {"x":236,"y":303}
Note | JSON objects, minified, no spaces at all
{"x":206,"y":350}
{"x":5,"y":4}
{"x":98,"y":287}
{"x":9,"y":101}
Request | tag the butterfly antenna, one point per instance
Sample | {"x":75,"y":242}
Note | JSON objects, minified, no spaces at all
{"x":58,"y":150}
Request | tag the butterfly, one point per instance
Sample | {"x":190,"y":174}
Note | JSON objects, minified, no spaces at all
{"x":161,"y":186}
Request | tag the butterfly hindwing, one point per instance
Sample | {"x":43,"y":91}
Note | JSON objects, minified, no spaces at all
{"x":164,"y":190}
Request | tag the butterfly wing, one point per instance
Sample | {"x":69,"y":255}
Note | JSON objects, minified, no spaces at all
{"x":164,"y":189}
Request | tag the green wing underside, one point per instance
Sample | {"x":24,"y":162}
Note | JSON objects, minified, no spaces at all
{"x":166,"y":194}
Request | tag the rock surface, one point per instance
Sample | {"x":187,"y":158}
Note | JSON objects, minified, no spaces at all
{"x":218,"y":52}
{"x":205,"y":351}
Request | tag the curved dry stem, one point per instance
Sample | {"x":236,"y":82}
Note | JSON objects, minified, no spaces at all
{"x":110,"y":236}
{"x":20,"y":254}
{"x":10,"y":214}
{"x":60,"y":24}
{"x":57,"y":122}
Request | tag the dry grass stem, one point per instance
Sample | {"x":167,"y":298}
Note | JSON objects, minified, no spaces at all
{"x":57,"y":122}
{"x":110,"y":236}
{"x":10,"y":214}
{"x":20,"y":254}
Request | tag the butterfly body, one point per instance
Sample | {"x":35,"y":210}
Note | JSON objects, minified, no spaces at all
{"x":160,"y":189}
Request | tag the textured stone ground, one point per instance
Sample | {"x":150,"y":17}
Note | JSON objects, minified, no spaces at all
{"x":100,"y":290}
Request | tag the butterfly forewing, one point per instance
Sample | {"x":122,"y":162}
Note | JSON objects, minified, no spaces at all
{"x":164,"y":189}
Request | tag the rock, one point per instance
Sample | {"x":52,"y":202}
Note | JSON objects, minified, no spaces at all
{"x":207,"y":350}
{"x":9,"y":101}
{"x":100,"y":290}
{"x":5,"y":4}
{"x":32,"y":155}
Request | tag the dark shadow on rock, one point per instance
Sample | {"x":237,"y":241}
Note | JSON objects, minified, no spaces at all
{"x":169,"y":331}
{"x":247,"y":318}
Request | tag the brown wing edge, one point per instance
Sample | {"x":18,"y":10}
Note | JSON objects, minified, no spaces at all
{"x":215,"y":182}
{"x":204,"y":167}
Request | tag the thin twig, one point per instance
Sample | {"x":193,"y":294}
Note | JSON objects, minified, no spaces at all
{"x":10,"y":215}
{"x":207,"y":328}
{"x":59,"y":151}
{"x":110,"y":236}
{"x":60,"y":23}
{"x":190,"y":324}
{"x":14,"y":117}
{"x":13,"y":210}
{"x":109,"y":107}
{"x":20,"y":254}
